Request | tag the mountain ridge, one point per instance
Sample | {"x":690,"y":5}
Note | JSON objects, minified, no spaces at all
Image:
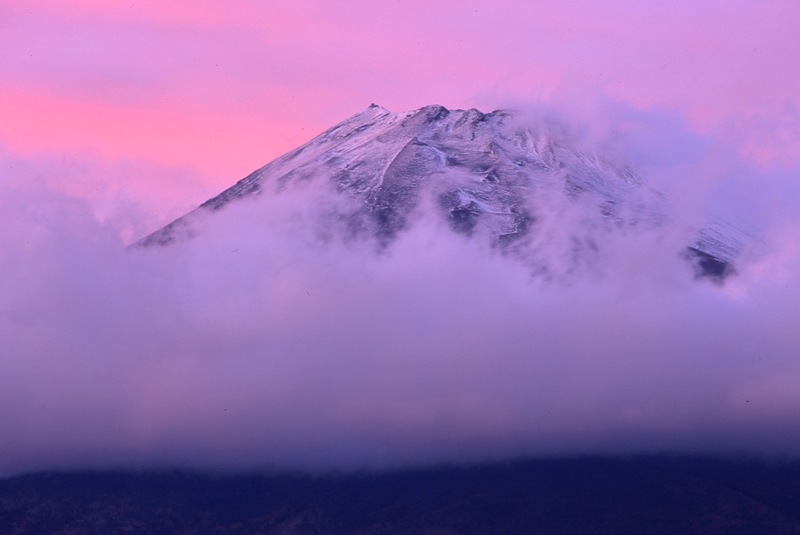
{"x":653,"y":495}
{"x":488,"y":172}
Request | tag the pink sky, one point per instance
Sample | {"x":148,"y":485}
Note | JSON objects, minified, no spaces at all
{"x":247,"y":347}
{"x":212,"y":91}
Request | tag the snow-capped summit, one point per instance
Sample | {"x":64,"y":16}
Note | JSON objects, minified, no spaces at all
{"x":489,"y":175}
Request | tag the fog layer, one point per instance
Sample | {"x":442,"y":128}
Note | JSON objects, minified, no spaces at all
{"x":263,"y":342}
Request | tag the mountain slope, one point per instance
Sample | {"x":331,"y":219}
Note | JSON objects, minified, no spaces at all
{"x":523,"y":188}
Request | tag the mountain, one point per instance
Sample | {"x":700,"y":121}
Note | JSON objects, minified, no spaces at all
{"x":491,"y":175}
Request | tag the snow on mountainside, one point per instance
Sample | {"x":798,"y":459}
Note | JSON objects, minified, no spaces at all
{"x":489,"y":175}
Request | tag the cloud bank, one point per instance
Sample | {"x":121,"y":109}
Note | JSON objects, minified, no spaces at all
{"x":261,"y":343}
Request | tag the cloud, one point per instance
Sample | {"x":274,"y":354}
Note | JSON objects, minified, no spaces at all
{"x":265,"y":342}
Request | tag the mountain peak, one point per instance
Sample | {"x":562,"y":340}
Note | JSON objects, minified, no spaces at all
{"x":506,"y":182}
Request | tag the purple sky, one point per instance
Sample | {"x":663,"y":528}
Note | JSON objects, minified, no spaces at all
{"x":159,"y":104}
{"x":116,"y":118}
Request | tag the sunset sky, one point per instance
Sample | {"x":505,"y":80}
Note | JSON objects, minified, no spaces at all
{"x":117,"y":117}
{"x":155,"y":105}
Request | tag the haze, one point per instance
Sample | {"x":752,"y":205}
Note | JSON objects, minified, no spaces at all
{"x":257,"y":346}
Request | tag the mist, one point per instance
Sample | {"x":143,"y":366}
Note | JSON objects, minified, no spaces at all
{"x":265,"y":341}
